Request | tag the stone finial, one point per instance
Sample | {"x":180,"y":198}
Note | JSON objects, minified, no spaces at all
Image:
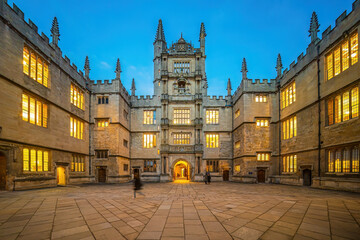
{"x":55,"y":34}
{"x":118,"y":69}
{"x":229,"y":87}
{"x":202,"y":31}
{"x":244,"y":69}
{"x":160,"y":36}
{"x":133,"y":88}
{"x":314,"y":27}
{"x":87,"y":67}
{"x":279,"y":66}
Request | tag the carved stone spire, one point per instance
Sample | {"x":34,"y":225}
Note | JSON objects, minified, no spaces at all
{"x":118,"y":69}
{"x":133,"y":88}
{"x":160,"y":36}
{"x":55,"y":34}
{"x":244,"y":69}
{"x":279,"y":66}
{"x":202,"y":37}
{"x":314,"y":27}
{"x":229,"y":87}
{"x":87,"y":67}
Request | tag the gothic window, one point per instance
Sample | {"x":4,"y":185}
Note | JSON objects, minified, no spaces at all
{"x":290,"y":163}
{"x":103,"y":100}
{"x":289,"y":127}
{"x":101,"y":153}
{"x":102,"y":122}
{"x":34,"y":111}
{"x":262,"y":122}
{"x":181,"y":116}
{"x":149,"y":140}
{"x":149,"y":165}
{"x":212,"y":140}
{"x":35,"y":66}
{"x":260,"y":98}
{"x":263,"y":156}
{"x":339,"y":59}
{"x":181,"y":138}
{"x":77,"y":163}
{"x":77,"y":97}
{"x":212,"y":116}
{"x":35,"y":160}
{"x":181,"y":67}
{"x":343,"y":160}
{"x":212,"y":165}
{"x":288,"y":95}
{"x":76,"y":128}
{"x":149,"y":117}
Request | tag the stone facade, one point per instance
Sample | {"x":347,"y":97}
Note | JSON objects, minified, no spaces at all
{"x":124,"y":133}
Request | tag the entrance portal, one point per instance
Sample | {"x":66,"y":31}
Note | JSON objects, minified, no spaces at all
{"x":261,"y":176}
{"x":226,"y":175}
{"x":61,"y":176}
{"x":2,"y":171}
{"x":307,"y":177}
{"x":181,"y":171}
{"x":102,"y":175}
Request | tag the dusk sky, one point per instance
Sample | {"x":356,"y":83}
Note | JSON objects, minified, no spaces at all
{"x":256,"y":30}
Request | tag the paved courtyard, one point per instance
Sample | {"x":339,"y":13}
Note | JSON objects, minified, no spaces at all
{"x":180,"y":211}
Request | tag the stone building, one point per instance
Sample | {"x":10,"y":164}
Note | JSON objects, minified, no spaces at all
{"x":59,"y":127}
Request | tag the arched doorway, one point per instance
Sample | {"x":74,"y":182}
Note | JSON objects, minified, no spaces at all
{"x":261,"y":176}
{"x":307,"y":177}
{"x":181,"y":171}
{"x":102,"y":174}
{"x":2,"y":171}
{"x":61,"y":175}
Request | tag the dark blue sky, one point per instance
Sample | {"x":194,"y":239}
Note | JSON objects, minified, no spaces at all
{"x":110,"y":29}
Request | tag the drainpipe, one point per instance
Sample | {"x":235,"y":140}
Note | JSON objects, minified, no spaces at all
{"x":90,"y":96}
{"x":279,"y":125}
{"x":319,"y":112}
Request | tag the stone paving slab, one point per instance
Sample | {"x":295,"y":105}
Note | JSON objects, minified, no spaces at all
{"x":180,"y":211}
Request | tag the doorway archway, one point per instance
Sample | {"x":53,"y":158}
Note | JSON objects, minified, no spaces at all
{"x":61,"y":175}
{"x":2,"y":171}
{"x":181,"y":171}
{"x":307,"y":177}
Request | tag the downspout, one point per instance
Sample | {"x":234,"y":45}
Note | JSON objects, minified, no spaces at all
{"x":278,"y":85}
{"x":319,"y":113}
{"x":90,"y":96}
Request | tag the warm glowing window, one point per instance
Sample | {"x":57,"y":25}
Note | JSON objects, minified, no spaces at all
{"x":181,"y":138}
{"x":149,"y":165}
{"x":260,"y":98}
{"x":237,"y":113}
{"x":344,"y":160}
{"x":77,"y":97}
{"x":35,"y":160}
{"x":102,"y":122}
{"x":35,"y":67}
{"x":212,"y":116}
{"x":343,"y":107}
{"x":102,"y":153}
{"x":354,"y":48}
{"x":76,"y":128}
{"x":181,"y":116}
{"x":150,"y":117}
{"x":262,"y":122}
{"x":237,"y":168}
{"x":290,"y":163}
{"x":289,"y":127}
{"x":212,"y":165}
{"x":212,"y":140}
{"x":263,"y":156}
{"x":181,"y":67}
{"x":149,"y":140}
{"x":288,"y":95}
{"x":342,"y":57}
{"x":77,"y":163}
{"x":237,"y":144}
{"x":34,"y":111}
{"x":103,"y":100}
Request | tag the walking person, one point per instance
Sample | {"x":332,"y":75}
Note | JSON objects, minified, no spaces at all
{"x":137,"y":184}
{"x":205,"y":178}
{"x":208,"y":177}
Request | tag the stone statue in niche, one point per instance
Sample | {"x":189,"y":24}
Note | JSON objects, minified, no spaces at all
{"x":182,"y":86}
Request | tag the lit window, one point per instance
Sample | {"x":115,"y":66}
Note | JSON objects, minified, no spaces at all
{"x":149,"y":140}
{"x":77,"y":97}
{"x":346,"y":161}
{"x":354,"y":48}
{"x":237,"y":168}
{"x":149,"y":165}
{"x":102,"y":122}
{"x":212,"y":140}
{"x":355,"y":102}
{"x":343,"y":160}
{"x":330,"y":111}
{"x":237,"y":144}
{"x":338,"y":161}
{"x":337,"y":67}
{"x":212,"y":165}
{"x":355,"y":160}
{"x":346,"y":111}
{"x":260,"y":98}
{"x":181,"y":67}
{"x":77,"y":163}
{"x":34,"y":111}
{"x":345,"y":55}
{"x":35,"y":160}
{"x":337,"y":109}
{"x":288,"y":95}
{"x":289,"y":128}
{"x":181,"y":116}
{"x":237,"y":113}
{"x":181,"y":138}
{"x":150,"y":117}
{"x":39,"y":70}
{"x":212,"y":116}
{"x":76,"y":128}
{"x":263,"y":157}
{"x":290,"y":163}
{"x":262,"y":122}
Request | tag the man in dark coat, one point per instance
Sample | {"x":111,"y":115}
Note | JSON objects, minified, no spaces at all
{"x":208,"y":177}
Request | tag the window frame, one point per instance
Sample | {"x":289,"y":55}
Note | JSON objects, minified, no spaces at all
{"x":332,"y":166}
{"x":44,"y":105}
{"x":212,"y":120}
{"x":151,"y":167}
{"x":29,"y":160}
{"x":45,"y":77}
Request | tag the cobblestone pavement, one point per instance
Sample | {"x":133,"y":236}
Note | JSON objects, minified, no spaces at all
{"x":180,"y":211}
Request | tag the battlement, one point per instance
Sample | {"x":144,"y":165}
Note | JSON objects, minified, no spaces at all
{"x":147,"y":97}
{"x":145,"y":101}
{"x":109,"y":86}
{"x":16,"y":18}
